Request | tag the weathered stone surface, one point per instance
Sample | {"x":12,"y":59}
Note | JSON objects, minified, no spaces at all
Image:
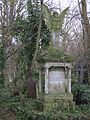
{"x":57,"y":81}
{"x":63,"y":101}
{"x":58,"y":85}
{"x":57,"y":77}
{"x":54,"y":97}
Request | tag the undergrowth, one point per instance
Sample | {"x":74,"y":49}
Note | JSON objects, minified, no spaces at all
{"x":22,"y":107}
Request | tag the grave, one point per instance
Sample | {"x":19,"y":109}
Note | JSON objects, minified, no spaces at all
{"x":57,"y":75}
{"x":31,"y":86}
{"x":57,"y":85}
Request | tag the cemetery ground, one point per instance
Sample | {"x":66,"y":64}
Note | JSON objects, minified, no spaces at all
{"x":18,"y":105}
{"x":22,"y":107}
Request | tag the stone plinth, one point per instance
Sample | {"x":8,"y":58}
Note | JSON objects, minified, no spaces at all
{"x":58,"y":101}
{"x":58,"y":85}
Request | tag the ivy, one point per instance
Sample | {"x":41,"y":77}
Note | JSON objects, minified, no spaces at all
{"x":26,"y":30}
{"x":81,"y":93}
{"x":2,"y":65}
{"x":53,"y":55}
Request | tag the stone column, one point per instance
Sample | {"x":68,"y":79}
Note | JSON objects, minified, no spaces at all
{"x":40,"y":81}
{"x":46,"y":80}
{"x":69,"y":80}
{"x":37,"y":91}
{"x":55,"y":39}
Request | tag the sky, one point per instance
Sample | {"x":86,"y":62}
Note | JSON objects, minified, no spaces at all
{"x":73,"y":7}
{"x":68,"y":3}
{"x":63,"y":3}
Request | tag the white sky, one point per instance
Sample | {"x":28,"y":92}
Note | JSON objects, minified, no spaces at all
{"x":62,"y":3}
{"x":73,"y":7}
{"x":67,"y":3}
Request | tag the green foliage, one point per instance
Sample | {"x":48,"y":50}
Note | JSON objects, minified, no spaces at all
{"x":22,"y":107}
{"x":81,"y":93}
{"x":26,"y":31}
{"x":2,"y":65}
{"x":53,"y":55}
{"x":2,"y":58}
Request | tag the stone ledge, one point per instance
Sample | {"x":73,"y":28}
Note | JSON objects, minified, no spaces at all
{"x":59,"y":105}
{"x":56,"y":97}
{"x":58,"y":64}
{"x":58,"y":101}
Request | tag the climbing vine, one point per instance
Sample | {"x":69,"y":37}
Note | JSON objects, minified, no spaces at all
{"x":2,"y":65}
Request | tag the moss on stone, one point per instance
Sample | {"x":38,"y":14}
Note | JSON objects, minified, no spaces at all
{"x":60,"y":101}
{"x":54,"y":55}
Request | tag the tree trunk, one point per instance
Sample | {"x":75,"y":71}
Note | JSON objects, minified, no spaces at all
{"x":86,"y":34}
{"x":33,"y":65}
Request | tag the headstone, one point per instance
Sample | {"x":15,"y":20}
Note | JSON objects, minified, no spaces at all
{"x":58,"y":79}
{"x":31,"y":86}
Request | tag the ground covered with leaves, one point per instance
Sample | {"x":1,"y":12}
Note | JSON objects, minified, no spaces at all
{"x":21,"y":107}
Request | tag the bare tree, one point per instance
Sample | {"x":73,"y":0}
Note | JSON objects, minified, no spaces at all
{"x":9,"y":11}
{"x":86,"y":33}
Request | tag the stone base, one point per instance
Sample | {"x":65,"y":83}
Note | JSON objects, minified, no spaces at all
{"x":59,"y":101}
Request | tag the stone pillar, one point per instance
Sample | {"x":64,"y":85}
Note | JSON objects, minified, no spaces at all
{"x":46,"y":80}
{"x":40,"y":81}
{"x":69,"y":80}
{"x":37,"y":91}
{"x":55,"y":39}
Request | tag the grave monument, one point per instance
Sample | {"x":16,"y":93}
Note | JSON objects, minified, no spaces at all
{"x":56,"y":73}
{"x":58,"y":85}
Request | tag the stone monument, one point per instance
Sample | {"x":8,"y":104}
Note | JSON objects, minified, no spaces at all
{"x":57,"y":85}
{"x":57,"y":74}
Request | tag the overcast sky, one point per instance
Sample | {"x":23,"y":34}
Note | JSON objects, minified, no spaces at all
{"x":67,"y":3}
{"x":63,"y":3}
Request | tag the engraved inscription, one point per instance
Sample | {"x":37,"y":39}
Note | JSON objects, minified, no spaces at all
{"x":56,"y":77}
